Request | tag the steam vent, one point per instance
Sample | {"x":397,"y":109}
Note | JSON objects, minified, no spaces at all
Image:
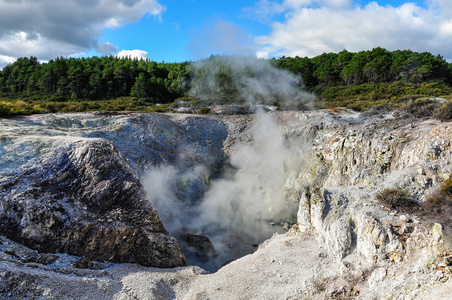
{"x":323,"y":204}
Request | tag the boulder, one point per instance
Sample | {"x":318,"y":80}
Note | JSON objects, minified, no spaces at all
{"x":78,"y":196}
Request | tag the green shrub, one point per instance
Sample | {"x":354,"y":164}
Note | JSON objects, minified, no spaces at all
{"x":204,"y":110}
{"x":158,"y":109}
{"x":18,"y":107}
{"x":4,"y":109}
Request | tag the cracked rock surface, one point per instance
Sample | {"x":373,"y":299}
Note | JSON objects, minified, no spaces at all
{"x":76,"y":222}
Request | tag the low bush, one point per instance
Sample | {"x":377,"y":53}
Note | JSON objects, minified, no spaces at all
{"x":435,"y":203}
{"x":444,"y":112}
{"x":204,"y":110}
{"x":9,"y":108}
{"x":396,"y":198}
{"x":438,"y":206}
{"x":446,"y":189}
{"x":421,"y":107}
{"x":18,"y":107}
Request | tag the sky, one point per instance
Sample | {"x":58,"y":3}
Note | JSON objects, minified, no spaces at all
{"x":181,"y":30}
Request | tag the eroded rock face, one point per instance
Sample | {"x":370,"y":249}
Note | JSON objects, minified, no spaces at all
{"x":350,"y":151}
{"x":71,"y":183}
{"x":352,"y":159}
{"x":346,"y":225}
{"x":345,"y":245}
{"x":82,"y":199}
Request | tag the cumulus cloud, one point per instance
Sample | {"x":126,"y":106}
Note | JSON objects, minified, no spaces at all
{"x":4,"y":60}
{"x":309,"y":28}
{"x":138,"y":54}
{"x":49,"y":28}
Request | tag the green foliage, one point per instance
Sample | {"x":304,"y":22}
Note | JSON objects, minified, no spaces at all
{"x":397,"y":198}
{"x":18,"y":107}
{"x":94,"y":78}
{"x":204,"y":110}
{"x":372,"y":78}
{"x":361,"y":80}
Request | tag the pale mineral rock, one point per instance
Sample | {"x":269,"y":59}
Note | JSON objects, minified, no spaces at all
{"x":74,"y":214}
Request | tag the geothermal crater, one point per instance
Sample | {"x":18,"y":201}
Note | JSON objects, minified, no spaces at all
{"x":116,"y":205}
{"x":212,"y":184}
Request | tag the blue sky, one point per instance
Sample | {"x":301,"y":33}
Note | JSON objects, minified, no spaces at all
{"x":172,"y":37}
{"x":173,"y":31}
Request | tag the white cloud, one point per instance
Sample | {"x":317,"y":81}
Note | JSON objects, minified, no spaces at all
{"x":4,"y":60}
{"x":263,"y":10}
{"x":48,"y":28}
{"x":138,"y":54}
{"x":21,"y":44}
{"x":322,"y":3}
{"x":310,"y":28}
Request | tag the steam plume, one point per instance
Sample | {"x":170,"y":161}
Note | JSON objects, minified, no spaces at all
{"x":236,"y":210}
{"x":247,"y":79}
{"x":247,"y":200}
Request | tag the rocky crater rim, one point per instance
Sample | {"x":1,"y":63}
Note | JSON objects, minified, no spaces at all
{"x":88,"y":177}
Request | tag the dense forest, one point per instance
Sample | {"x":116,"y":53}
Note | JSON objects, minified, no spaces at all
{"x":355,"y":80}
{"x":93,"y":78}
{"x":366,"y":78}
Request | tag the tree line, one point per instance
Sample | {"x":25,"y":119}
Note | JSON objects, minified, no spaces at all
{"x":94,"y":78}
{"x":366,"y":67}
{"x":341,"y":79}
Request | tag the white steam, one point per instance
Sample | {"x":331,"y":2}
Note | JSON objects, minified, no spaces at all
{"x":159,"y":184}
{"x":174,"y":192}
{"x":239,"y":208}
{"x":246,"y":78}
{"x":247,"y":201}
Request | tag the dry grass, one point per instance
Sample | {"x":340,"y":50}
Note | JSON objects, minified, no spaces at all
{"x":438,"y":206}
{"x":396,"y":198}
